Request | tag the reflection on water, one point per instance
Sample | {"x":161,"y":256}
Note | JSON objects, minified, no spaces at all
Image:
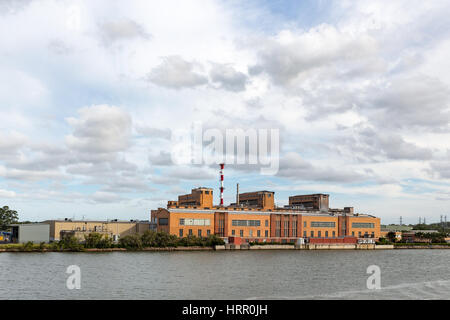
{"x":405,"y":274}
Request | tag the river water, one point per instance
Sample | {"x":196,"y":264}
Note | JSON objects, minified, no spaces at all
{"x":405,"y":274}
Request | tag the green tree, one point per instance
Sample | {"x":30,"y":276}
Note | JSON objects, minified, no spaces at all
{"x":70,"y":243}
{"x":7,"y":217}
{"x":391,"y":236}
{"x":163,"y":240}
{"x":132,"y":241}
{"x":149,"y":239}
{"x":97,"y":240}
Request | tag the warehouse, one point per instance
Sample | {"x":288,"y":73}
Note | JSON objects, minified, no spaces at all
{"x":254,"y":217}
{"x":34,"y":232}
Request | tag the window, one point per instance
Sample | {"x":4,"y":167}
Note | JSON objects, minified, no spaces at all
{"x":304,"y":234}
{"x":206,"y":192}
{"x":304,"y":224}
{"x":267,"y":233}
{"x":195,"y":222}
{"x":233,"y":232}
{"x":251,"y":233}
{"x":246,"y":223}
{"x":353,"y":233}
{"x":334,"y":234}
{"x":208,"y":232}
{"x":312,"y":234}
{"x":373,"y":234}
{"x":294,"y":226}
{"x":267,"y":223}
{"x":286,"y":227}
{"x":323,"y":224}
{"x":362,"y":225}
{"x":278,"y":227}
{"x":163,"y":221}
{"x":320,"y":234}
{"x":199,"y":232}
{"x":326,"y":234}
{"x":241,"y":233}
{"x":181,"y":233}
{"x":359,"y":234}
{"x":258,"y":233}
{"x":190,"y":232}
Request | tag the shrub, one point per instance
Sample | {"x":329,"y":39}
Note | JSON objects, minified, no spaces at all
{"x":70,"y":243}
{"x":28,"y":246}
{"x":97,"y":240}
{"x":214,"y":240}
{"x":163,"y":240}
{"x":149,"y":238}
{"x":132,"y":241}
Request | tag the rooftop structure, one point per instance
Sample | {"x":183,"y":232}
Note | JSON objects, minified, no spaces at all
{"x":255,"y":217}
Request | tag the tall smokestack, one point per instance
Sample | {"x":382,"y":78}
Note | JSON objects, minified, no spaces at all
{"x":237,"y":195}
{"x":222,"y":165}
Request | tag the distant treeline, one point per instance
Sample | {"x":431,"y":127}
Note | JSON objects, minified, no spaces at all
{"x":149,"y":239}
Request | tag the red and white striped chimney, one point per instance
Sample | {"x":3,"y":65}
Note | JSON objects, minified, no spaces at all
{"x":222,"y":165}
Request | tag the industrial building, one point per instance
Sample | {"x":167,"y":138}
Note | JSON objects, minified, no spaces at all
{"x":115,"y":229}
{"x":254,"y":217}
{"x":55,"y":230}
{"x":34,"y":232}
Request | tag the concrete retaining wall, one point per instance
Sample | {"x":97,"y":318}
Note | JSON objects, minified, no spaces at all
{"x":384,"y":247}
{"x":272,"y":247}
{"x":330,"y":246}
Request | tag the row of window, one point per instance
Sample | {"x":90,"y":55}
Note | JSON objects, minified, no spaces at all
{"x":363,"y":225}
{"x":326,"y":234}
{"x":195,"y":222}
{"x":366,"y":235}
{"x":251,"y":234}
{"x":248,"y":223}
{"x":190,"y":233}
{"x":322,"y":224}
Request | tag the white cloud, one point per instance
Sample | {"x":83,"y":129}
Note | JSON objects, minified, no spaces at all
{"x":100,"y":129}
{"x":360,"y":98}
{"x":228,"y":78}
{"x":176,"y":73}
{"x":125,"y":29}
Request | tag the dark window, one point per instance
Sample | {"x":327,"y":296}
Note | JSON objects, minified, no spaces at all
{"x":312,"y":234}
{"x":267,"y":233}
{"x":199,"y":232}
{"x":163,"y":221}
{"x":190,"y":232}
{"x":233,"y":232}
{"x":267,"y":223}
{"x":326,"y":234}
{"x":259,"y":233}
{"x":208,"y":232}
{"x":320,"y":234}
{"x":241,"y":233}
{"x":181,"y":233}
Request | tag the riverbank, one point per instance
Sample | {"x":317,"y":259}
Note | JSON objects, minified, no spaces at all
{"x":49,"y":248}
{"x":227,"y":247}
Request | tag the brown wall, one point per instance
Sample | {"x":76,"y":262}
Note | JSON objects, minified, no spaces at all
{"x":115,"y":228}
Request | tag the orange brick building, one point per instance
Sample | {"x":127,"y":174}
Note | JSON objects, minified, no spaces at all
{"x":256,"y":218}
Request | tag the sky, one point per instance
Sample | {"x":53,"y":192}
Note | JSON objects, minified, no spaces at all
{"x":92,"y":92}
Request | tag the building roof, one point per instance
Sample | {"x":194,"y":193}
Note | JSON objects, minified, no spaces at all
{"x":98,"y":221}
{"x":263,"y":212}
